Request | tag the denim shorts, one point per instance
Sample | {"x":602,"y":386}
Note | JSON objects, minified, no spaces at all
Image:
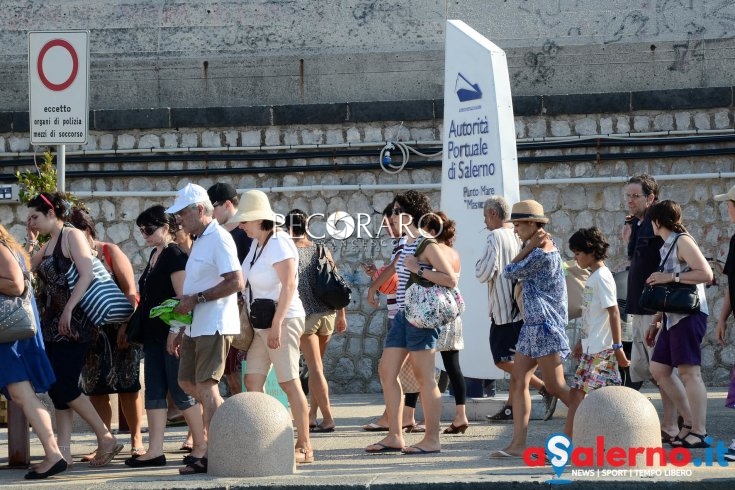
{"x":404,"y":335}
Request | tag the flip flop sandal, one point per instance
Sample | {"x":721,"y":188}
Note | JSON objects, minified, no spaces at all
{"x":318,"y":429}
{"x":418,"y":450}
{"x":199,"y":466}
{"x":383,"y":449}
{"x":186,"y":448}
{"x":89,"y":457}
{"x":104,"y":458}
{"x":304,"y":455}
{"x":501,"y":454}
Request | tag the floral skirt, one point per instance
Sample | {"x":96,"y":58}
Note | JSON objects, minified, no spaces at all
{"x":109,"y":369}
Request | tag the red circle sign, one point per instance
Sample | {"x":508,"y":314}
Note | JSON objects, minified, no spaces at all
{"x":74,"y":68}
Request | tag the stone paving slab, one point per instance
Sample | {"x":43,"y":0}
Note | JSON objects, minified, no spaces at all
{"x":342,"y":463}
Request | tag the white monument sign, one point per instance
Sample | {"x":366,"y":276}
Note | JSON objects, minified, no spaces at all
{"x":479,"y":161}
{"x":58,"y":87}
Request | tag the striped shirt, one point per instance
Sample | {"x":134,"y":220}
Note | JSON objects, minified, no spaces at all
{"x":502,"y":246}
{"x":403,"y":273}
{"x":392,"y":301}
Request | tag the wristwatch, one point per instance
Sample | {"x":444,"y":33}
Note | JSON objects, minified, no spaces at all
{"x":200,"y":298}
{"x":617,"y":346}
{"x":420,"y":272}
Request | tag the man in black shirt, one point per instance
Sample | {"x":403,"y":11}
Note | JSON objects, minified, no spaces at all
{"x":643,"y":252}
{"x":225,"y":200}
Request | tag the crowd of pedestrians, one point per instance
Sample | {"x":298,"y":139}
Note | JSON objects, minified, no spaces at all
{"x":220,"y":254}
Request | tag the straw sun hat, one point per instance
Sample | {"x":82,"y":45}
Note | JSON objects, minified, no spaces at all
{"x":254,"y":205}
{"x":529,"y":210}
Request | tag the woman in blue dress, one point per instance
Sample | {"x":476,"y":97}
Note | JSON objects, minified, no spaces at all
{"x":543,"y":340}
{"x":26,"y":369}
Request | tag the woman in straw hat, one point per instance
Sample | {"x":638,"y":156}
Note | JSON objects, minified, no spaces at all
{"x":270,"y":274}
{"x":543,"y":340}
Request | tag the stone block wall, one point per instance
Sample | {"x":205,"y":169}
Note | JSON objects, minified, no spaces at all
{"x":351,"y":362}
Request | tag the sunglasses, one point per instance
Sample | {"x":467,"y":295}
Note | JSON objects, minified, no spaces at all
{"x":397,"y":211}
{"x":148,"y":230}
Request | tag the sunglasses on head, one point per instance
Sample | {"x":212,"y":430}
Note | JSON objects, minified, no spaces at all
{"x":148,"y":230}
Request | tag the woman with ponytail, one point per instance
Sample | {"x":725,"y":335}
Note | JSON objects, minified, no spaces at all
{"x":676,"y":338}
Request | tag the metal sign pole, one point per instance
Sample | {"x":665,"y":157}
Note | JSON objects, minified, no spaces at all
{"x":61,"y":168}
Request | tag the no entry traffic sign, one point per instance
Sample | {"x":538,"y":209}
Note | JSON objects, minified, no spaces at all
{"x":58,"y":86}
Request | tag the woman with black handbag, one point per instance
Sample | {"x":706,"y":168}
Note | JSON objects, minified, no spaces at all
{"x":26,"y":369}
{"x":271,"y":293}
{"x":67,"y":331}
{"x":676,"y":337}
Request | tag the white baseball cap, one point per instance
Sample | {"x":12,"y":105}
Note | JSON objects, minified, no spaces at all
{"x":191,"y":194}
{"x":730,"y":196}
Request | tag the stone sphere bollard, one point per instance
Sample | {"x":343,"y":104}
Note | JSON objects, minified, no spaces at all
{"x":626,"y":419}
{"x":251,"y":434}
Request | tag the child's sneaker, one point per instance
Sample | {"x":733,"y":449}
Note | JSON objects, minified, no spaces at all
{"x":504,"y":415}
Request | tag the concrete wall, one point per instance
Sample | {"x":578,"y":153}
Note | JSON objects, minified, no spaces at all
{"x":156,"y":53}
{"x":351,"y":362}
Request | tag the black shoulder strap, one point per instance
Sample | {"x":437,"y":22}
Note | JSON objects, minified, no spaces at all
{"x":663,"y":262}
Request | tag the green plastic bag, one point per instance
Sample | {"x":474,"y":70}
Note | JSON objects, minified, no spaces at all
{"x":165,"y":311}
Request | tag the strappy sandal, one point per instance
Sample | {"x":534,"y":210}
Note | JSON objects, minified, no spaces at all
{"x":676,"y":440}
{"x":104,"y":458}
{"x":701,"y":443}
{"x":198,"y":466}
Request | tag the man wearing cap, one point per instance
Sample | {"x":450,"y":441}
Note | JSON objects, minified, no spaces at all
{"x":224,"y":200}
{"x":729,"y":300}
{"x":213,"y":278}
{"x":505,"y":320}
{"x":640,"y":193}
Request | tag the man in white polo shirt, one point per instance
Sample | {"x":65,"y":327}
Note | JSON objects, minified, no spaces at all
{"x":213,"y":278}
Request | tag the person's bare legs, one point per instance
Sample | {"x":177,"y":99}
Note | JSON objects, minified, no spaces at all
{"x":103,"y":406}
{"x":192,"y":389}
{"x":318,"y":387}
{"x":687,"y":393}
{"x":132,"y":409}
{"x":535,"y":381}
{"x":390,"y":365}
{"x":106,"y":442}
{"x":157,"y":418}
{"x":300,"y":412}
{"x":423,"y":363}
{"x":22,"y":393}
{"x":576,"y":396}
{"x":553,"y":374}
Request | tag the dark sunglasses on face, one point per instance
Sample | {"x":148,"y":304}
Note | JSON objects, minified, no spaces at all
{"x":148,"y":230}
{"x":397,"y":211}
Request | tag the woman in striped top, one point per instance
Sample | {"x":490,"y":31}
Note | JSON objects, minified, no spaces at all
{"x":406,"y":340}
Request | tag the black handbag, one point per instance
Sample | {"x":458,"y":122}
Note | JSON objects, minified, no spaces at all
{"x":330,"y":288}
{"x":134,"y":329}
{"x":671,"y":297}
{"x":262,"y":311}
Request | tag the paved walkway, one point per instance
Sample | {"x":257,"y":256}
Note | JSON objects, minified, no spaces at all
{"x":342,"y":463}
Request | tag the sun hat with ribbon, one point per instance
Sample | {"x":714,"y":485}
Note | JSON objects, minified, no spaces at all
{"x":528,"y":210}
